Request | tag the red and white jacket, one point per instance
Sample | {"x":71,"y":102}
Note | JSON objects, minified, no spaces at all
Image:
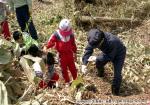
{"x":63,"y":44}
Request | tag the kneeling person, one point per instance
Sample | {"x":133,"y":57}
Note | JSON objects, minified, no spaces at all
{"x":23,"y":42}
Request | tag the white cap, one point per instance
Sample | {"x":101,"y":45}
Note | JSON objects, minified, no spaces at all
{"x":3,"y":1}
{"x":64,"y":25}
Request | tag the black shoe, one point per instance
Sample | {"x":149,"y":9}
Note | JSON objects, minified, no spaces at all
{"x":100,"y":72}
{"x":115,"y":91}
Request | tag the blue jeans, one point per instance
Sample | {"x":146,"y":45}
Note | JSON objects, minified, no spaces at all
{"x":23,"y":15}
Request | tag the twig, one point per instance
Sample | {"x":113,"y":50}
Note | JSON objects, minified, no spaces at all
{"x":29,"y":88}
{"x":65,"y":99}
{"x":107,"y":19}
{"x":8,"y":80}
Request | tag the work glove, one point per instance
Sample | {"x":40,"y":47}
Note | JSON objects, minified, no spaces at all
{"x":92,"y":59}
{"x":84,"y":69}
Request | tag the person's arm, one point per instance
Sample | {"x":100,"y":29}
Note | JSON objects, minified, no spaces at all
{"x":51,"y":71}
{"x":88,"y":52}
{"x":112,"y":53}
{"x":37,"y":69}
{"x":51,"y":41}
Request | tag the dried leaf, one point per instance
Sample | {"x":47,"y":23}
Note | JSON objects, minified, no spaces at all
{"x":5,"y":56}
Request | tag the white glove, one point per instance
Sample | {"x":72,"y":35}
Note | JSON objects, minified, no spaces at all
{"x":84,"y":69}
{"x":92,"y":58}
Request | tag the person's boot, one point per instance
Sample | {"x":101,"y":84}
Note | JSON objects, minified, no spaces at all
{"x":115,"y":91}
{"x":100,"y":72}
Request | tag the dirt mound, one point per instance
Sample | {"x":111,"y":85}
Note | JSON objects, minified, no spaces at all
{"x":137,"y":66}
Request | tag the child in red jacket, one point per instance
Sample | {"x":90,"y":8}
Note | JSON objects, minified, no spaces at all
{"x":64,"y":42}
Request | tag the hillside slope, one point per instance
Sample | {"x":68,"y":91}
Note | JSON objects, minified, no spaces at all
{"x":46,"y":17}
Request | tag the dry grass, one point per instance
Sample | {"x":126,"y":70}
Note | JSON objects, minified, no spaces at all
{"x":46,"y":17}
{"x":117,"y":9}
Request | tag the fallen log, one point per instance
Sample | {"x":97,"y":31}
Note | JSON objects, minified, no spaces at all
{"x":107,"y":19}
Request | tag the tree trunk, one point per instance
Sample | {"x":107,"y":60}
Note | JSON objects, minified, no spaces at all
{"x":107,"y":19}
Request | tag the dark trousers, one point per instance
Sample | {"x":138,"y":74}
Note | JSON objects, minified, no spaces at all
{"x":23,"y":17}
{"x":117,"y":64}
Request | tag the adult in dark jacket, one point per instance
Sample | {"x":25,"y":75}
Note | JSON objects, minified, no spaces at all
{"x":112,"y":50}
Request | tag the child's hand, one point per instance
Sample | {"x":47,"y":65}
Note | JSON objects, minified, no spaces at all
{"x":45,"y":49}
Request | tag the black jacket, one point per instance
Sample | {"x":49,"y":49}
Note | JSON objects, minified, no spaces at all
{"x":112,"y":48}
